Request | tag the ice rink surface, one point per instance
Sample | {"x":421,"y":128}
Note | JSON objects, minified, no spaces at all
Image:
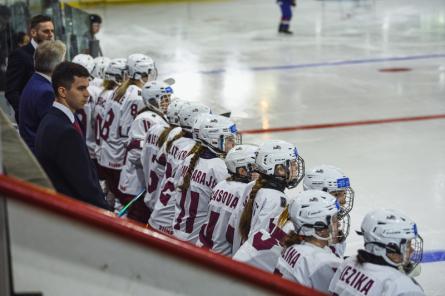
{"x":229,"y":55}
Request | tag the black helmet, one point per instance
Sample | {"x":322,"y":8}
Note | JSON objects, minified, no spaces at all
{"x":94,"y":18}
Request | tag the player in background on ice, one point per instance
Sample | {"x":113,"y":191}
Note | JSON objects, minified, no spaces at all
{"x":286,"y":15}
{"x":279,"y":166}
{"x":333,"y":181}
{"x":156,"y":96}
{"x":393,"y":251}
{"x":200,"y":172}
{"x":307,"y":259}
{"x":119,"y":114}
{"x":179,"y":145}
{"x":226,"y":195}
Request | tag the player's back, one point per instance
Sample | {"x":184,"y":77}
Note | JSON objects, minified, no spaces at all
{"x":354,"y":279}
{"x":132,"y":104}
{"x":99,"y":114}
{"x":112,"y":148}
{"x":309,"y":265}
{"x":224,"y":200}
{"x":163,"y":195}
{"x":191,"y":205}
{"x":132,"y":179}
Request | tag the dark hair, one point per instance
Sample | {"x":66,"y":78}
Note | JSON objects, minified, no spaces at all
{"x":94,"y":18}
{"x":40,"y":18}
{"x":65,"y":73}
{"x":246,"y":216}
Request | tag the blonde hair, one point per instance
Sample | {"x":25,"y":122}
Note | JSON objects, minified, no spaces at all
{"x":109,"y":84}
{"x":48,"y":55}
{"x":163,"y":136}
{"x":122,"y":89}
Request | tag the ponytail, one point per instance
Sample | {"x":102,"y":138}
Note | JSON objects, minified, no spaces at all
{"x":163,"y":136}
{"x":170,"y":143}
{"x":196,"y":151}
{"x":122,"y":89}
{"x":109,"y":84}
{"x":292,"y":239}
{"x":246,"y":217}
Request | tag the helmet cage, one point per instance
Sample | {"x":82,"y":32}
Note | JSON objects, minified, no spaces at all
{"x":347,"y":206}
{"x":344,"y":225}
{"x":217,"y":145}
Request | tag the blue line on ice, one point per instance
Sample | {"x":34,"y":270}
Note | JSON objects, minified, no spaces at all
{"x":330,"y":64}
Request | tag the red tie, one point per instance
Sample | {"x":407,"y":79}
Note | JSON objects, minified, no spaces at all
{"x":76,"y":126}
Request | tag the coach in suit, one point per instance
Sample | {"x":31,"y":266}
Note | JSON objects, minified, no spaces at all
{"x":60,"y":143}
{"x":21,"y":61}
{"x":38,"y":95}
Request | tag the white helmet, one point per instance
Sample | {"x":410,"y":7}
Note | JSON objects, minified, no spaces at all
{"x":276,"y":152}
{"x":100,"y":65}
{"x":330,"y":179}
{"x":189,"y":112}
{"x":140,"y":65}
{"x":389,"y":231}
{"x":153,"y":92}
{"x":173,"y":110}
{"x":213,"y":131}
{"x":116,"y":70}
{"x":314,"y":210}
{"x":241,"y":156}
{"x":85,"y":60}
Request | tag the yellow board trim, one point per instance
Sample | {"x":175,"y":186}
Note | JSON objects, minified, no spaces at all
{"x":90,"y":3}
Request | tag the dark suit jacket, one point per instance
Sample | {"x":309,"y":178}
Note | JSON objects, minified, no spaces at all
{"x":36,"y":100}
{"x":63,"y":154}
{"x":20,"y":69}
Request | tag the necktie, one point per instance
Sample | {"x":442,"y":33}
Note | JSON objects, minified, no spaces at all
{"x":76,"y":126}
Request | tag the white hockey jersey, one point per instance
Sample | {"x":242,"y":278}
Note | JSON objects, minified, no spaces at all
{"x":214,"y":233}
{"x":163,"y":197}
{"x":368,"y":279}
{"x":98,"y":118}
{"x":308,"y":265}
{"x":85,"y":116}
{"x":132,"y":179}
{"x":263,"y":248}
{"x":152,"y":167}
{"x":191,"y":206}
{"x":119,"y":116}
{"x":235,"y":218}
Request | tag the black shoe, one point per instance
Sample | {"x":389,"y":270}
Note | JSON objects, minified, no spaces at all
{"x":287,"y":32}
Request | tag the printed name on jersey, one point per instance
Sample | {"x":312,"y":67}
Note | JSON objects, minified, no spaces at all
{"x":291,"y":256}
{"x":357,"y":280}
{"x":200,"y":177}
{"x":177,"y":153}
{"x":226,"y":198}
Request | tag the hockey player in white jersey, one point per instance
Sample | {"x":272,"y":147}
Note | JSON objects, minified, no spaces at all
{"x":280,"y":167}
{"x":98,"y":72}
{"x":156,"y":96}
{"x":153,"y":162}
{"x":113,"y":77}
{"x":332,"y":180}
{"x":85,"y":114}
{"x":393,"y":249}
{"x":307,"y":258}
{"x":226,"y":195}
{"x":120,"y":113}
{"x":179,"y":145}
{"x":200,"y":172}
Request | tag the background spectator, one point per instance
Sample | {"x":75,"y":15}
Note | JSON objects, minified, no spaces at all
{"x":20,"y":39}
{"x":91,"y":45}
{"x":5,"y":15}
{"x":21,"y":61}
{"x":60,"y":144}
{"x":38,"y":95}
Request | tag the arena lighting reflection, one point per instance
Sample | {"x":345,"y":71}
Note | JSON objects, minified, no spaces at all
{"x":264,"y":106}
{"x":237,"y":90}
{"x":189,"y":83}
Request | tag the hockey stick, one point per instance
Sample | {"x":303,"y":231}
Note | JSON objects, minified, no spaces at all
{"x":133,"y":201}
